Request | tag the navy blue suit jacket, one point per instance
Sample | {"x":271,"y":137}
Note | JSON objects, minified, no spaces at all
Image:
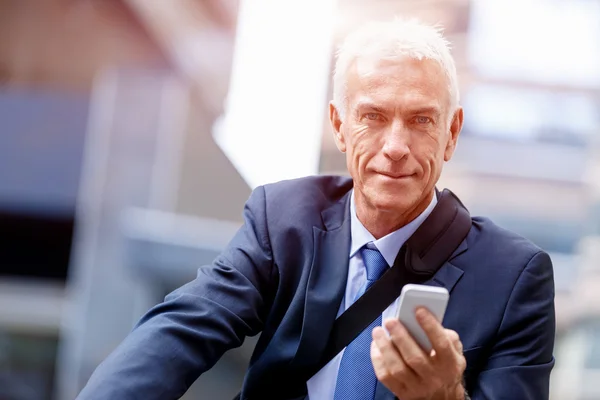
{"x":284,"y":274}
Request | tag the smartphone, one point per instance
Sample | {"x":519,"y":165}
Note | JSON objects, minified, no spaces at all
{"x":413,"y":296}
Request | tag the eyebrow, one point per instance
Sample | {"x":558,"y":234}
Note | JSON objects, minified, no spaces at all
{"x":430,"y":110}
{"x":367,"y":104}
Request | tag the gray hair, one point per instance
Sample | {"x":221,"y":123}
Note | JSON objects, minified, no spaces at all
{"x":397,"y":38}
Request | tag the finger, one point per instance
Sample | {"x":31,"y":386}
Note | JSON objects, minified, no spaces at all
{"x":381,"y":371}
{"x":436,"y":333}
{"x":393,"y":362}
{"x":455,"y":340}
{"x":410,"y":351}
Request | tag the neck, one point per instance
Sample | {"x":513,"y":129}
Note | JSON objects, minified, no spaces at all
{"x":383,"y":222}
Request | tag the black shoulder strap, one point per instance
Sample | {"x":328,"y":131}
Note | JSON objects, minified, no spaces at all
{"x":421,"y":256}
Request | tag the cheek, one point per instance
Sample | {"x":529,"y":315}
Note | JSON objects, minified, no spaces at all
{"x":362,"y":146}
{"x":429,"y":153}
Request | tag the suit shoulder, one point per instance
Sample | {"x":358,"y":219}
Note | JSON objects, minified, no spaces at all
{"x":310,"y":193}
{"x":501,"y":244}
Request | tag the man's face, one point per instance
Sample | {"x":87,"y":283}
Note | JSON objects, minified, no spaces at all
{"x":396,"y":131}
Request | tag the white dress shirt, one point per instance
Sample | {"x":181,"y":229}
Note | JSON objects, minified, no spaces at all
{"x":322,"y":385}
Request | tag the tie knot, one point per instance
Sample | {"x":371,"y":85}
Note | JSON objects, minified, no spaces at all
{"x":374,"y":262}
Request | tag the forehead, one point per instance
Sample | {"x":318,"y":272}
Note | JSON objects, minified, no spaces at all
{"x":398,"y":82}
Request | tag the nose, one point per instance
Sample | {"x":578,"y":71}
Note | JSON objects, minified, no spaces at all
{"x":397,"y":144}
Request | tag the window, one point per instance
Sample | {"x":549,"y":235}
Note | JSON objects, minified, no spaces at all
{"x":543,"y":41}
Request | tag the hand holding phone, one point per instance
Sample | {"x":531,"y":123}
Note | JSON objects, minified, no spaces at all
{"x":413,"y":296}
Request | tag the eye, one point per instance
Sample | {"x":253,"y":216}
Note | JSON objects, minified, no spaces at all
{"x":422,"y":120}
{"x":372,"y":116}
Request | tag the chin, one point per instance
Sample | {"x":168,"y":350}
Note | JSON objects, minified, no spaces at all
{"x":389,"y":194}
{"x":386,"y":200}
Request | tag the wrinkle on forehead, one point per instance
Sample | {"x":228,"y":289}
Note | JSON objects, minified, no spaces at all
{"x":406,"y":79}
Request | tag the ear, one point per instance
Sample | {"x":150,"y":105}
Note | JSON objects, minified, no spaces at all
{"x":336,"y":125}
{"x":455,"y":128}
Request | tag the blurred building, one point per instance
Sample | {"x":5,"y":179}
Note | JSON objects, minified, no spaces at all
{"x":73,"y":73}
{"x":122,"y":158}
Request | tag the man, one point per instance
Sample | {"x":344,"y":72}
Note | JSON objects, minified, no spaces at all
{"x":304,"y":252}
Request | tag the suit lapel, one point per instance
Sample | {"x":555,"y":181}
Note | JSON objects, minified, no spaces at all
{"x":449,"y":274}
{"x":326,"y":283}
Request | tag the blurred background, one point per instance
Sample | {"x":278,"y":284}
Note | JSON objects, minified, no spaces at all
{"x":132,"y":132}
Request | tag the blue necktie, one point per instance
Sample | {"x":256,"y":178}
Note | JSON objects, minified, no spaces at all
{"x":356,"y":378}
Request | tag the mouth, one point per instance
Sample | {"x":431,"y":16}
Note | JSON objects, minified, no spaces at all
{"x":394,"y":176}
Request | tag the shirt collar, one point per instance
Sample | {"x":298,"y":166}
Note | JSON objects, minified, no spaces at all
{"x":390,"y":244}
